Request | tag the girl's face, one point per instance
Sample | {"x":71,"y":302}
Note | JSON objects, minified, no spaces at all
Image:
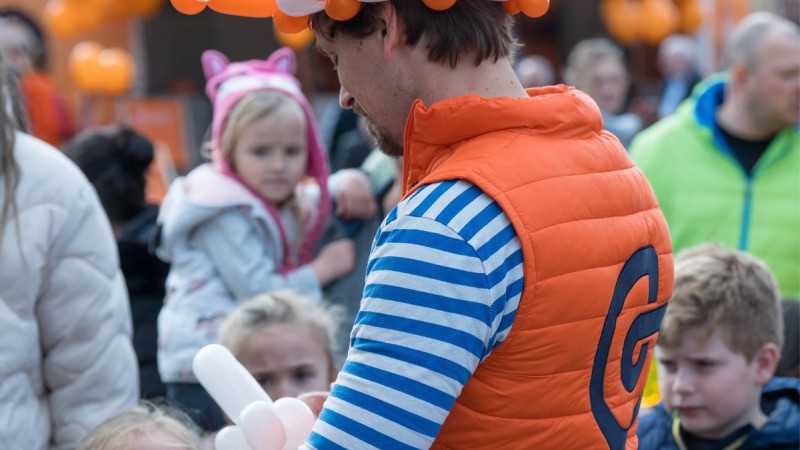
{"x":271,"y":153}
{"x":287,"y":359}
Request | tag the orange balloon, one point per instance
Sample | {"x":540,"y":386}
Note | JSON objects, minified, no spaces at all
{"x":439,"y":5}
{"x":245,"y":8}
{"x":534,"y":8}
{"x":189,"y":7}
{"x":289,"y":24}
{"x":296,"y":41}
{"x":691,"y":15}
{"x":659,"y":19}
{"x":116,"y":65}
{"x":511,"y":6}
{"x":620,"y":17}
{"x":84,"y":67}
{"x":342,"y":9}
{"x":145,"y":8}
{"x":60,"y":18}
{"x":86,"y":15}
{"x":112,"y":9}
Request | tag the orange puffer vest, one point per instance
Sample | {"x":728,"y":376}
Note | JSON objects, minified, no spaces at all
{"x":598,"y":268}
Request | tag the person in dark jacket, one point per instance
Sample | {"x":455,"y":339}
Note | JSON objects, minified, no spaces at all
{"x":717,"y":352}
{"x":116,"y":160}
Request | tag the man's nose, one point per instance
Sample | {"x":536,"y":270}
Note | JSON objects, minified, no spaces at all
{"x":345,"y":99}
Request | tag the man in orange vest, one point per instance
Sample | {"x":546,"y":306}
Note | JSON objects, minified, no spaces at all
{"x":514,"y":295}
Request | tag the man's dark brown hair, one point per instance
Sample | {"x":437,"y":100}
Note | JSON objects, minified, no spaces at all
{"x":477,"y":28}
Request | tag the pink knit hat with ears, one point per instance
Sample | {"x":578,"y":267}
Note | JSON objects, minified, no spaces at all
{"x":230,"y":82}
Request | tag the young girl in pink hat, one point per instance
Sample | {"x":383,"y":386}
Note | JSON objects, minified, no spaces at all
{"x":248,"y":221}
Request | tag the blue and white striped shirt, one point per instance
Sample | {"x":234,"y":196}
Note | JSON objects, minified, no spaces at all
{"x":443,"y":285}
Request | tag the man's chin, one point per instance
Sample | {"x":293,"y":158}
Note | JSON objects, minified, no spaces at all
{"x":386,"y":144}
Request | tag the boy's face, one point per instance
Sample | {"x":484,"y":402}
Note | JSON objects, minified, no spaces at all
{"x":715,"y":389}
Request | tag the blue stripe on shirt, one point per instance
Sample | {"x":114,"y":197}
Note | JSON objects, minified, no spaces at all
{"x":426,"y":299}
{"x":457,"y":204}
{"x":415,"y":356}
{"x":421,"y":268}
{"x":358,"y":431}
{"x":429,"y":330}
{"x":427,"y":202}
{"x":400,"y":383}
{"x":483,"y":218}
{"x":398,"y":415}
{"x":426,"y":239}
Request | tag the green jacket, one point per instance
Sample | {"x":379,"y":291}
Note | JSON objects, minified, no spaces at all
{"x":707,"y":196}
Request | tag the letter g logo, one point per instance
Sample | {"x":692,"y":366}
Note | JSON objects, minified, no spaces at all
{"x":643,"y":263}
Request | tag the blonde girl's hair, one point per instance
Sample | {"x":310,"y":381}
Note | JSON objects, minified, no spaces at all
{"x":281,"y":307}
{"x":717,"y":289}
{"x":144,"y":420}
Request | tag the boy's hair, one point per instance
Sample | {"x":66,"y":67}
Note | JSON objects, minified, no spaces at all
{"x":252,"y":107}
{"x":143,"y":420}
{"x":723,"y":290}
{"x":280,"y":307}
{"x":115,"y":159}
{"x":478,"y":28}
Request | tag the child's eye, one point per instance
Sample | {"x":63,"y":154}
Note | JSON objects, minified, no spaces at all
{"x":669,"y":366}
{"x":264,"y":380}
{"x":305,"y":375}
{"x":294,"y":151}
{"x":705,"y":365}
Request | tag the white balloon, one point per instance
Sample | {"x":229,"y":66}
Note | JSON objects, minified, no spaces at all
{"x":297,"y":419}
{"x":226,"y":380}
{"x":231,"y":438}
{"x":262,"y":427}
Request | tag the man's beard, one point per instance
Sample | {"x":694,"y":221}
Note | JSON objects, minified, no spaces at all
{"x":385,"y":143}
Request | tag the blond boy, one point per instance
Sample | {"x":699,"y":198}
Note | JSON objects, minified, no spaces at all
{"x":716,"y":353}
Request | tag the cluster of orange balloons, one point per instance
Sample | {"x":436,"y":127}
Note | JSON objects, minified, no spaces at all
{"x":67,"y":18}
{"x":98,"y":70}
{"x":336,"y":9}
{"x":649,"y":21}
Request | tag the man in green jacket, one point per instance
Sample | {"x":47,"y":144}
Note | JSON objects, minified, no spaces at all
{"x":726,"y":166}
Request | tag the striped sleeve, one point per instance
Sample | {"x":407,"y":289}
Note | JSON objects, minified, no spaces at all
{"x":443,"y":285}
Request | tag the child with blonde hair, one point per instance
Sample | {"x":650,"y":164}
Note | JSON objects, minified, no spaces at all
{"x":716,"y":354}
{"x":147,"y":426}
{"x":248,"y":222}
{"x":286,"y":341}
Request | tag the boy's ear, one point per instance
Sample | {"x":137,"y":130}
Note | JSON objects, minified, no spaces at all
{"x":766,"y":361}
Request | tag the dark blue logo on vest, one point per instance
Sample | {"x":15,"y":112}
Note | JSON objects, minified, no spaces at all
{"x":643,"y":263}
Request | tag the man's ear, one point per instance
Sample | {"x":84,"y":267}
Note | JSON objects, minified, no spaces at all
{"x":739,"y":74}
{"x":766,"y":361}
{"x":391,"y":30}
